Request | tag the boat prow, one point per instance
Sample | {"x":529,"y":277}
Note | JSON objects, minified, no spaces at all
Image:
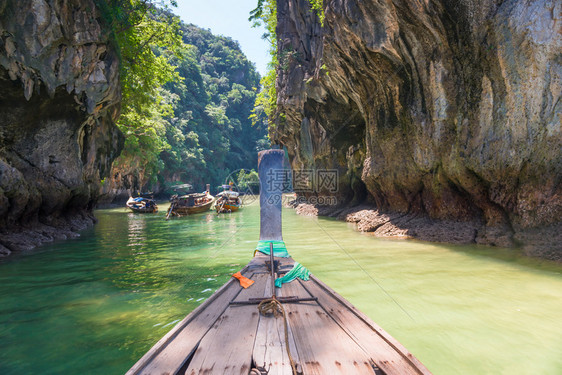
{"x":326,"y":334}
{"x":276,"y":318}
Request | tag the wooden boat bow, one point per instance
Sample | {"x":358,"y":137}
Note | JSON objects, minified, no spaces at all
{"x":325,"y":334}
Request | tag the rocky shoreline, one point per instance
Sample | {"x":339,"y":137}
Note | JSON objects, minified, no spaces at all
{"x":21,"y":238}
{"x":25,"y":238}
{"x":545,"y":243}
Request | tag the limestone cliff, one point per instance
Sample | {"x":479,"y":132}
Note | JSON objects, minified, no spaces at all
{"x":445,"y":109}
{"x":59,"y":96}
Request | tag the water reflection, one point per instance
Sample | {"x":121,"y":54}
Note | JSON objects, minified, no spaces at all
{"x":99,"y":302}
{"x":136,"y":229}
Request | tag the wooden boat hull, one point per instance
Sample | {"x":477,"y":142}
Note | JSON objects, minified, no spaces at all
{"x":192,"y":210}
{"x":139,"y":210}
{"x":326,"y":336}
{"x":227,"y":208}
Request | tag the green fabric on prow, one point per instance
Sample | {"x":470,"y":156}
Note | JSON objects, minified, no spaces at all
{"x":279,"y":248}
{"x":298,"y":270}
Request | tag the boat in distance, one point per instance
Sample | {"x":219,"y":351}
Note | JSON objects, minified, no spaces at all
{"x":190,"y":203}
{"x":142,"y":205}
{"x":228,"y":200}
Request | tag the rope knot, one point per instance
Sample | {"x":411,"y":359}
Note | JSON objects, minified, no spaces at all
{"x":271,"y":306}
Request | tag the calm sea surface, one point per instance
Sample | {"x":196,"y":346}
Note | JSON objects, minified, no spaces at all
{"x":96,"y":304}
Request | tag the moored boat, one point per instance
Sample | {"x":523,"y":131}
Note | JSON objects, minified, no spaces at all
{"x":192,"y":203}
{"x":274,"y":317}
{"x":142,"y":205}
{"x":228,"y":200}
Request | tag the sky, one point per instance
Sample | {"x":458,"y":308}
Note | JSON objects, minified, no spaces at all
{"x":228,"y":18}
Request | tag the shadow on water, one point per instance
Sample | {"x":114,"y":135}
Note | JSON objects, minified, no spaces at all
{"x":512,"y":256}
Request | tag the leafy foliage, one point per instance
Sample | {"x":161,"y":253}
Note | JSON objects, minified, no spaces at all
{"x":248,"y":180}
{"x":147,"y":38}
{"x":317,"y":5}
{"x":211,"y":133}
{"x":187,"y":99}
{"x":266,"y":101}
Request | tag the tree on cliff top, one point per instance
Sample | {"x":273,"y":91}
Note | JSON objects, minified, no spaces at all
{"x":187,"y":99}
{"x":211,"y":134}
{"x":148,"y":37}
{"x":265,"y":104}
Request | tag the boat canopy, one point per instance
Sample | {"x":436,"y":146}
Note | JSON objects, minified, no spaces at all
{"x":194,"y":195}
{"x":182,"y":189}
{"x":230,"y":194}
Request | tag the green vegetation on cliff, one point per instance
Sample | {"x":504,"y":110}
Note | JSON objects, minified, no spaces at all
{"x":147,"y":39}
{"x":266,"y":101}
{"x":187,"y":100}
{"x":211,"y":134}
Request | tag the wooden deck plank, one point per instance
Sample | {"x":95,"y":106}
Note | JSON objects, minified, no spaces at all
{"x":387,"y":353}
{"x":270,"y":351}
{"x":326,"y":337}
{"x":227,"y":347}
{"x":323,"y":347}
{"x":169,"y":354}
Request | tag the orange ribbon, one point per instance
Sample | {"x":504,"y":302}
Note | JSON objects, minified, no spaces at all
{"x":244,"y":281}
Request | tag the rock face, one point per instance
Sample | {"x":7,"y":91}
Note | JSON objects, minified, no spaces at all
{"x":59,"y":97}
{"x":447,"y":109}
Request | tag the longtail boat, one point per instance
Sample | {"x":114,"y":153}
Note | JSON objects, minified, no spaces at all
{"x":188,"y":204}
{"x":274,"y":317}
{"x":228,"y":200}
{"x":142,"y":205}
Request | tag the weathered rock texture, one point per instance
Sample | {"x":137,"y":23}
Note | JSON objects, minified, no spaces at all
{"x":449,"y":109}
{"x":59,"y":96}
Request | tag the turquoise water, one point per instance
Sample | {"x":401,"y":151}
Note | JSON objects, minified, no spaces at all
{"x":94,"y":305}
